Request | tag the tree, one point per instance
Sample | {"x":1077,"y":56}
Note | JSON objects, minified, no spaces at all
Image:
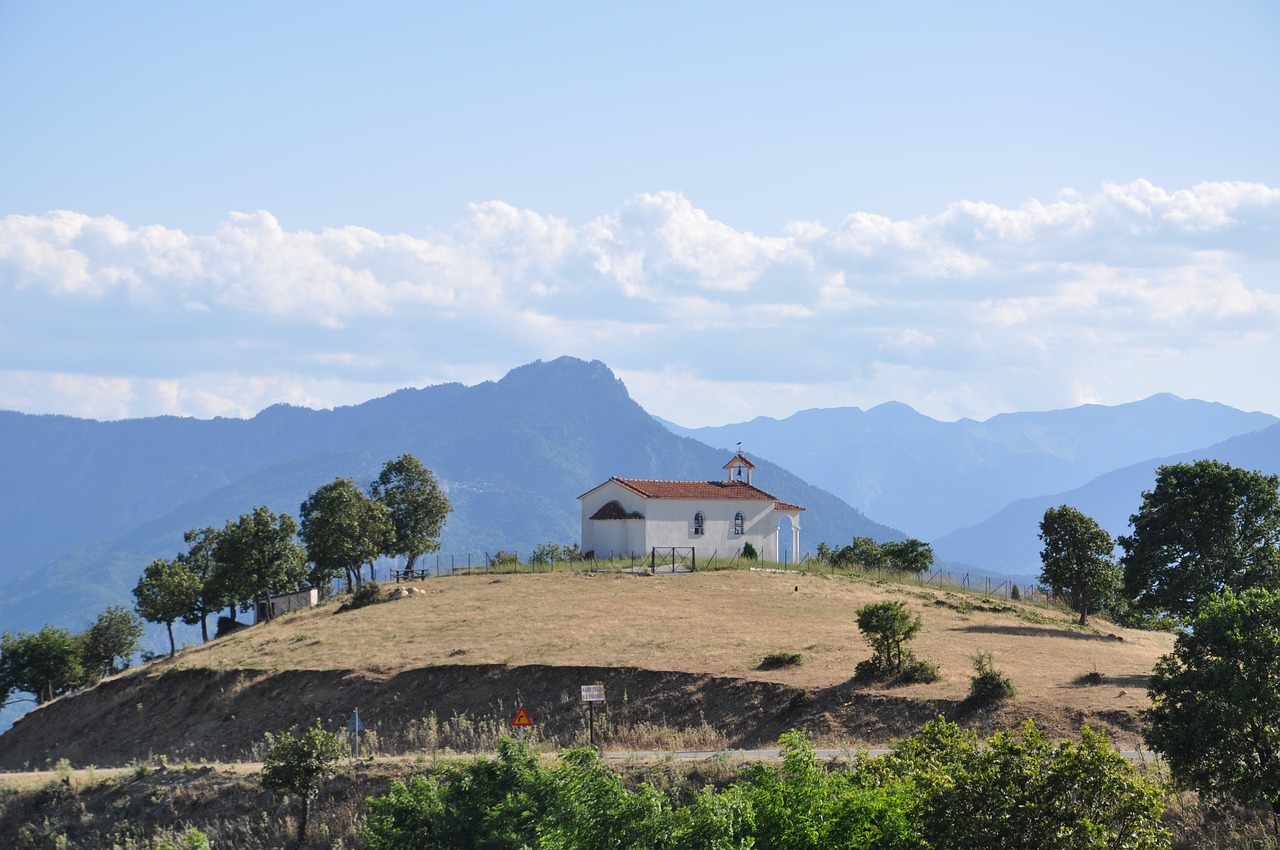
{"x":418,"y":507}
{"x":1077,"y":561}
{"x":1206,"y":527}
{"x":866,"y":551}
{"x":1016,"y":789}
{"x":115,"y":634}
{"x":260,"y":557}
{"x":1216,"y":697}
{"x":909,"y":556}
{"x":44,"y":664}
{"x":215,"y":580}
{"x":886,"y":626}
{"x":166,"y":592}
{"x":301,"y":765}
{"x":343,"y":530}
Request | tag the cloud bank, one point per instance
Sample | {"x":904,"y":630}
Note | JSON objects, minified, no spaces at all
{"x":1131,"y":290}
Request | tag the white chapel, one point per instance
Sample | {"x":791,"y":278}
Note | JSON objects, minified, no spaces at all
{"x":633,"y":516}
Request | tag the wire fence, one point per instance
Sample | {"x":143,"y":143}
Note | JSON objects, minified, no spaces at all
{"x":439,"y":565}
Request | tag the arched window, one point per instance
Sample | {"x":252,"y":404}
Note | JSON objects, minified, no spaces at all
{"x":738,"y":520}
{"x":697,"y":524}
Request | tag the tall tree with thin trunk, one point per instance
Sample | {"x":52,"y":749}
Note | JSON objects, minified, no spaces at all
{"x":1077,"y":560}
{"x":202,"y":544}
{"x":167,"y":592}
{"x":418,"y":507}
{"x":343,"y":530}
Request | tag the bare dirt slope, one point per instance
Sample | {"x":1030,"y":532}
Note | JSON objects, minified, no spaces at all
{"x":675,"y":652}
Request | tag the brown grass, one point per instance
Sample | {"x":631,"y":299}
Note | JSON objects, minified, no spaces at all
{"x":717,"y":623}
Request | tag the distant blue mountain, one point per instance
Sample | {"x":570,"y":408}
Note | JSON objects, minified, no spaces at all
{"x":89,"y":504}
{"x":930,"y":478}
{"x":1008,"y":542}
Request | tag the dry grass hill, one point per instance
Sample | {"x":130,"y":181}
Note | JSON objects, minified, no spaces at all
{"x":680,"y":656}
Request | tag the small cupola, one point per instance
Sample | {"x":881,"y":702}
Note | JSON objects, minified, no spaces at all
{"x":736,"y":466}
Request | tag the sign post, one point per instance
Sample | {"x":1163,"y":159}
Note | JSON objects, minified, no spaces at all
{"x":521,"y":722}
{"x":356,"y":727}
{"x":592,"y":694}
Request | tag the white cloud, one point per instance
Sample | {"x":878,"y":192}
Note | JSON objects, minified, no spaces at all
{"x":989,"y":305}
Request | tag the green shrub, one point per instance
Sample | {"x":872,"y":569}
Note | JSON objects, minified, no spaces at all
{"x":988,"y":686}
{"x":749,"y":551}
{"x":777,"y":660}
{"x":918,"y":672}
{"x":368,"y":593}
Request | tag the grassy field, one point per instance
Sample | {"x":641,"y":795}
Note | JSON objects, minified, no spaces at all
{"x":718,"y":623}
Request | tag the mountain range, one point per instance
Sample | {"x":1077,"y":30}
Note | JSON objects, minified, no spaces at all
{"x":931,"y":479}
{"x":90,"y":503}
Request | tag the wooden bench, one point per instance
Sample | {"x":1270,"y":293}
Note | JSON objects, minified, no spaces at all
{"x":408,"y":575}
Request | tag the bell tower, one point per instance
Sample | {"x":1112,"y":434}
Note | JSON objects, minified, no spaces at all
{"x":738,"y":467}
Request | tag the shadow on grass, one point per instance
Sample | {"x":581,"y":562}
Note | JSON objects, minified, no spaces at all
{"x":1031,"y":630}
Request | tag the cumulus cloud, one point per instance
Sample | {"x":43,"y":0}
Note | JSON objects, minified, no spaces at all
{"x":968,"y":309}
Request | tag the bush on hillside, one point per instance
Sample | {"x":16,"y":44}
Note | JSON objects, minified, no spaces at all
{"x":988,"y":686}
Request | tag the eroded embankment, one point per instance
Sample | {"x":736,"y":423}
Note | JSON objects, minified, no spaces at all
{"x":202,"y":714}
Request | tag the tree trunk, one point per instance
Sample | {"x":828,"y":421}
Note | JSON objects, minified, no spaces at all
{"x":1084,"y":614}
{"x":413,"y":559}
{"x":302,"y":822}
{"x":172,"y":649}
{"x":204,"y":626}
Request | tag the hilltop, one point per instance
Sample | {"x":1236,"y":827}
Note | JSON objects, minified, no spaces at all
{"x":679,"y":656}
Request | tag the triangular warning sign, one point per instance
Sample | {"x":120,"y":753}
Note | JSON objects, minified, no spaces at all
{"x":522,"y":718}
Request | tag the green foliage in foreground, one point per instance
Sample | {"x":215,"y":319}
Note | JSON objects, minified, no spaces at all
{"x":1216,"y":697}
{"x":943,"y":788}
{"x":301,"y":764}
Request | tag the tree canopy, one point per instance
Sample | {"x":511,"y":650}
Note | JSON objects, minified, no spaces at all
{"x":300,"y":764}
{"x":114,"y":635}
{"x":1216,"y":697}
{"x":417,"y":505}
{"x":166,"y":592}
{"x":45,"y":664}
{"x":1077,"y":560}
{"x":343,"y":530}
{"x":260,"y":556}
{"x":1205,"y":527}
{"x":909,"y":556}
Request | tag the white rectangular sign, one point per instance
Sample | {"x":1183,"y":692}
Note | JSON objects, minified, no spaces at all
{"x":593,"y":693}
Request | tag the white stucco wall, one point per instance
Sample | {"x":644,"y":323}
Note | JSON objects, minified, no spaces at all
{"x":669,"y":523}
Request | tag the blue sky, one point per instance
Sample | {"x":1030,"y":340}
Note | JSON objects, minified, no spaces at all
{"x":744,"y":209}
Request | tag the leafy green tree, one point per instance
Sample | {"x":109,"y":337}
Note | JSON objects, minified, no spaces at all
{"x":1017,"y":790}
{"x":215,"y":580}
{"x":886,"y":626}
{"x":166,"y":592}
{"x":116,"y":633}
{"x":418,"y":507}
{"x":1077,"y":561}
{"x":803,"y":806}
{"x":546,"y":554}
{"x":909,"y":556}
{"x":1206,"y":527}
{"x":343,"y":530}
{"x":1216,"y":697}
{"x":260,"y":557}
{"x":45,"y":664}
{"x":866,"y":551}
{"x":300,"y":765}
{"x":485,"y":803}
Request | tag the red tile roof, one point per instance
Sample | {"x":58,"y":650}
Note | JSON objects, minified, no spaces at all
{"x":695,"y":489}
{"x":614,"y":510}
{"x":783,"y":506}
